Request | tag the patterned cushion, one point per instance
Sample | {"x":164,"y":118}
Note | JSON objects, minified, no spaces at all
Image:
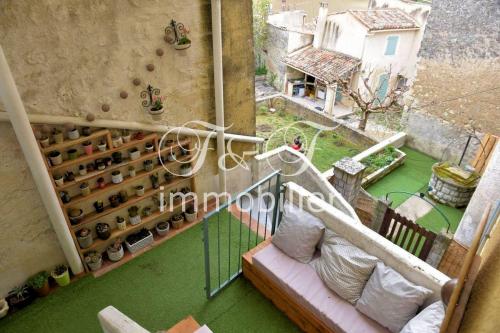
{"x":298,"y":233}
{"x":428,"y":320}
{"x":390,"y":299}
{"x":343,"y":267}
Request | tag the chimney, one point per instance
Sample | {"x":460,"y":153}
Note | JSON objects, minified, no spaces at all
{"x":319,"y":33}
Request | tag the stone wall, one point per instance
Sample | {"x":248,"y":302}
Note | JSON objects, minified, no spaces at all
{"x":460,"y":57}
{"x":69,"y":57}
{"x":27,"y":242}
{"x":276,"y":49}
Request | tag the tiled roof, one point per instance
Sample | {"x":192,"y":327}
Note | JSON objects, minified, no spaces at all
{"x":384,"y":19}
{"x":322,"y":64}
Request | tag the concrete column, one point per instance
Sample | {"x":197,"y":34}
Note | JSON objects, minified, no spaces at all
{"x":330,"y":99}
{"x":319,"y":33}
{"x":347,"y":176}
{"x":380,"y":210}
{"x":438,"y":249}
{"x":24,"y":133}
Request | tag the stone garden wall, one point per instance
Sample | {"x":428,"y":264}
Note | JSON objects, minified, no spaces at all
{"x":70,"y":57}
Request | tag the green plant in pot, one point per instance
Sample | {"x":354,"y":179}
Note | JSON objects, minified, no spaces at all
{"x":40,"y":283}
{"x":103,"y":231}
{"x":156,"y":109}
{"x":162,"y":228}
{"x":20,"y":296}
{"x":134,"y":217}
{"x":190,"y":213}
{"x":93,"y":260}
{"x":58,"y":135}
{"x":61,"y":275}
{"x":84,"y":237}
{"x":155,"y":182}
{"x":177,"y":221}
{"x":183,"y":43}
{"x":115,"y":250}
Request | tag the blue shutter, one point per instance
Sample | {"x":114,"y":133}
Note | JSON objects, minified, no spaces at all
{"x":392,"y":43}
{"x":383,"y":85}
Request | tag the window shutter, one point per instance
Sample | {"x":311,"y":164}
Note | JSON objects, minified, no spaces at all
{"x":392,"y":43}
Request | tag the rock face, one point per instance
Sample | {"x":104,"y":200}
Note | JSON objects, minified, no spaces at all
{"x":71,"y":57}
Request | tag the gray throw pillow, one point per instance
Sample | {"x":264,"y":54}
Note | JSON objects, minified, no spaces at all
{"x":390,"y":299}
{"x":298,"y":233}
{"x":343,"y":267}
{"x":428,"y":320}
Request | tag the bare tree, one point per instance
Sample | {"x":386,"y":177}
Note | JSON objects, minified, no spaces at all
{"x":369,"y":101}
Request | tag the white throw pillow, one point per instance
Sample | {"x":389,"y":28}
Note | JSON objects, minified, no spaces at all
{"x":343,"y":267}
{"x":298,"y":233}
{"x":428,"y":320}
{"x":390,"y":299}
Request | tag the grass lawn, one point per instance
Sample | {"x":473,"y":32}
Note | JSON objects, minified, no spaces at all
{"x":156,"y":289}
{"x":282,"y":129}
{"x":413,"y":176}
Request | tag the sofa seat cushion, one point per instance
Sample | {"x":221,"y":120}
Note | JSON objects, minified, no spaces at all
{"x":301,"y":282}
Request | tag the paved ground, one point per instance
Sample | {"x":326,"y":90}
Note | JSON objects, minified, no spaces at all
{"x":414,"y":208}
{"x":263,"y":89}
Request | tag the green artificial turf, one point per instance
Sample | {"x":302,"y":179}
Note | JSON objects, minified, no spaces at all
{"x":413,"y":176}
{"x":157,"y":289}
{"x":281,"y":129}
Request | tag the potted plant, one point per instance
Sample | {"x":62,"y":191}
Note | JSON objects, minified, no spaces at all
{"x":102,"y":230}
{"x":115,"y":250}
{"x":116,"y":177}
{"x":87,"y":147}
{"x":65,"y":197}
{"x":61,"y":275}
{"x":134,"y":217}
{"x":90,"y":167}
{"x":162,"y":228}
{"x":116,"y":139}
{"x":131,"y":171}
{"x":84,"y":237}
{"x":168,"y":177}
{"x":20,"y":296}
{"x":149,"y":147}
{"x":40,"y":283}
{"x":75,"y":215}
{"x":93,"y":259}
{"x":114,"y":200}
{"x":185,"y":170}
{"x":139,"y":135}
{"x":177,"y":221}
{"x":100,"y":164}
{"x":99,"y":206}
{"x":73,"y":133}
{"x":183,"y":43}
{"x":184,"y":151}
{"x":148,"y":165}
{"x":44,"y":141}
{"x":156,"y":109}
{"x":72,"y":154}
{"x":190,"y":213}
{"x":155,"y":180}
{"x":86,"y":131}
{"x":169,"y":142}
{"x":117,"y":157}
{"x":82,"y":170}
{"x":147,"y":211}
{"x":108,"y":161}
{"x":126,"y":136}
{"x":134,"y":153}
{"x":101,"y":183}
{"x":84,"y":189}
{"x":171,"y":156}
{"x":55,"y":157}
{"x":4,"y":308}
{"x":102,"y":145}
{"x":58,"y":135}
{"x":69,"y":176}
{"x":59,"y":180}
{"x":121,"y":224}
{"x":139,"y":190}
{"x":123,"y":196}
{"x":139,"y":240}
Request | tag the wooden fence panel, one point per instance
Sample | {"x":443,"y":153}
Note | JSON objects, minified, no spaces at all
{"x":398,"y":229}
{"x":484,"y":152}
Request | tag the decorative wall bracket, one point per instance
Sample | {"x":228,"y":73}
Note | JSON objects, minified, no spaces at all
{"x":176,"y":34}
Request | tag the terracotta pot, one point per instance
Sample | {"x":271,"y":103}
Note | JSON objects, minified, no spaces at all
{"x":44,"y":291}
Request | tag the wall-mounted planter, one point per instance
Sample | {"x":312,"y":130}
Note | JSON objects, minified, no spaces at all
{"x":156,"y":113}
{"x":185,"y":45}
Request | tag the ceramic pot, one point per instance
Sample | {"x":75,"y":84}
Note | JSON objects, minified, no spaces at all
{"x":134,"y":154}
{"x":116,"y":177}
{"x":115,"y":255}
{"x":4,"y":307}
{"x":94,"y":266}
{"x":114,"y":200}
{"x":86,"y":131}
{"x":85,"y":241}
{"x":139,"y":190}
{"x":156,"y":114}
{"x":117,"y":142}
{"x":72,"y":153}
{"x":88,"y":148}
{"x":58,"y":137}
{"x":131,"y":172}
{"x":59,"y":180}
{"x":148,"y":165}
{"x":135,"y":219}
{"x":65,"y":197}
{"x":45,"y":142}
{"x":149,"y":147}
{"x":121,"y":224}
{"x":55,"y":157}
{"x":75,"y":216}
{"x":99,"y":206}
{"x":182,"y":46}
{"x":101,"y":183}
{"x":73,"y":134}
{"x":126,"y":138}
{"x":185,"y":170}
{"x":84,"y":189}
{"x":177,"y":221}
{"x":82,"y":170}
{"x":190,"y":217}
{"x":123,"y":196}
{"x":171,"y":157}
{"x":102,"y":146}
{"x":63,"y":279}
{"x":117,"y":157}
{"x":162,"y":228}
{"x":103,"y":231}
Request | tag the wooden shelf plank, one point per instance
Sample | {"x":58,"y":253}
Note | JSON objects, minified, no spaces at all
{"x":112,"y":186}
{"x":79,"y":179}
{"x":99,"y":243}
{"x":94,"y":156}
{"x":94,"y":216}
{"x":70,"y":143}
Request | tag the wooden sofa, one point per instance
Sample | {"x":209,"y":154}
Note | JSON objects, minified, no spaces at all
{"x":311,"y":320}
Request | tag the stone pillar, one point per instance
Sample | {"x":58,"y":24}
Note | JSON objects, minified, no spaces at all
{"x":347,"y":176}
{"x":438,"y":248}
{"x":330,"y":99}
{"x":379,"y":214}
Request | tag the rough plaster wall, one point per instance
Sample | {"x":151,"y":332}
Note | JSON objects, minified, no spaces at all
{"x":276,"y":46}
{"x":27,"y":242}
{"x":68,"y":57}
{"x":488,"y":191}
{"x":312,"y":7}
{"x":460,"y":56}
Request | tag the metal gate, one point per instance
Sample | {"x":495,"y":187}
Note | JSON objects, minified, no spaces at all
{"x":237,"y":226}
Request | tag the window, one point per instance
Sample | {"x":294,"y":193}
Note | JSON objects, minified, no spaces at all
{"x":392,"y":43}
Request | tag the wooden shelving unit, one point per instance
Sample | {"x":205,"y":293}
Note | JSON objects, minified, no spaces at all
{"x":142,"y":177}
